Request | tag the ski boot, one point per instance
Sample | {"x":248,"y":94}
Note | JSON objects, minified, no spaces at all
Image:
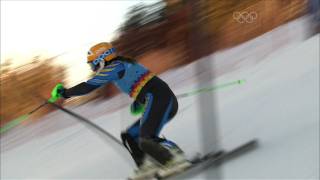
{"x":170,"y":157}
{"x":147,"y":170}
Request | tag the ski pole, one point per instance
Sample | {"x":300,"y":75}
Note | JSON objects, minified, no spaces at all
{"x":211,"y":88}
{"x":13,"y":123}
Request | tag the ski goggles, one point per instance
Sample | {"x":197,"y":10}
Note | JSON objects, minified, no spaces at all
{"x":100,"y":58}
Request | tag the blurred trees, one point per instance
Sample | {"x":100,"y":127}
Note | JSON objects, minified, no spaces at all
{"x":228,"y":32}
{"x":141,"y":15}
{"x":171,"y":26}
{"x":161,"y":36}
{"x":151,"y":28}
{"x":20,"y":86}
{"x":142,"y":31}
{"x":172,"y":33}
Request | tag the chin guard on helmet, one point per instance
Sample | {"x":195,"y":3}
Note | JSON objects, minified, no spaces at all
{"x":97,"y":68}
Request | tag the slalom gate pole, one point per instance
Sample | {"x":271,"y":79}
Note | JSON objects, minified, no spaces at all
{"x":121,"y":149}
{"x":13,"y":123}
{"x":17,"y":121}
{"x":88,"y":122}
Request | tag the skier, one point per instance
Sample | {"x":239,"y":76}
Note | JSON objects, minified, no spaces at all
{"x":151,"y":95}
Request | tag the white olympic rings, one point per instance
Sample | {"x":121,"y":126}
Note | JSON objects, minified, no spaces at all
{"x":245,"y":17}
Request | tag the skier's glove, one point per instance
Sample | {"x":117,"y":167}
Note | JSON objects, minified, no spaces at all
{"x":137,"y":108}
{"x":56,"y":93}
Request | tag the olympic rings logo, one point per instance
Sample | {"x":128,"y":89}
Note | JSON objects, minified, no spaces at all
{"x":245,"y":17}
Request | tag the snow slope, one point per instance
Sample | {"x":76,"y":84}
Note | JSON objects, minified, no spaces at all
{"x":278,"y":104}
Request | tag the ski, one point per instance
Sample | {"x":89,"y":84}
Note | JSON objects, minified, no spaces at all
{"x":195,"y":159}
{"x":198,"y":165}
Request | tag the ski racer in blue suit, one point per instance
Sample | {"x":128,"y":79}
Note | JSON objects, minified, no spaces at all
{"x":150,"y":94}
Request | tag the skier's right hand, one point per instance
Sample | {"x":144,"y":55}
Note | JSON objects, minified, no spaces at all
{"x":56,"y":93}
{"x":137,"y":108}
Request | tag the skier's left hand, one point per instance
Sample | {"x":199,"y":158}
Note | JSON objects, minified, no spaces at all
{"x":56,"y":93}
{"x":137,"y":108}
